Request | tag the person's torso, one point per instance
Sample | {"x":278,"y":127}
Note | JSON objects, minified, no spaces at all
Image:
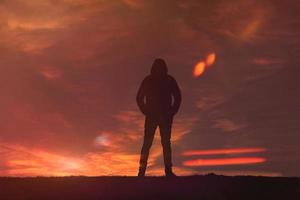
{"x":159,"y":95}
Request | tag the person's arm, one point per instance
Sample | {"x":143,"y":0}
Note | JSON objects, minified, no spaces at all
{"x":177,"y":97}
{"x":140,"y":97}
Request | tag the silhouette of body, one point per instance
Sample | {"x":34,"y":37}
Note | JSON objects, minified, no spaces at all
{"x":159,"y":99}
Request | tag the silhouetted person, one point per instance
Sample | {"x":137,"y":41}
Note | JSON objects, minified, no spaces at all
{"x":159,"y":99}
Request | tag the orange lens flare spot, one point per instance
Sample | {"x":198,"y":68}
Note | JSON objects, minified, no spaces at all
{"x":223,"y":161}
{"x":211,"y":58}
{"x":201,"y":65}
{"x":199,"y":69}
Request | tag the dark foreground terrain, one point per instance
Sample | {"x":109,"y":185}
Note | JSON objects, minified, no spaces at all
{"x":191,"y":187}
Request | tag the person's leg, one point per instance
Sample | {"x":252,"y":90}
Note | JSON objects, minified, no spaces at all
{"x":165,"y":127}
{"x":149,"y":131}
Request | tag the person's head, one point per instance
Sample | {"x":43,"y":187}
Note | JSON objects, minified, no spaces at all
{"x":159,"y":68}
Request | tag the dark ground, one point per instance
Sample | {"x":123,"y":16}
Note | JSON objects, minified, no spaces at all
{"x":156,"y":188}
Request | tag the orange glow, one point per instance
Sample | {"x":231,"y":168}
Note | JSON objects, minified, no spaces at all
{"x":224,"y":161}
{"x":111,"y":158}
{"x":199,"y":69}
{"x":135,"y":4}
{"x":33,"y":25}
{"x":251,"y":29}
{"x":211,"y":58}
{"x":223,"y":151}
{"x":266,"y":61}
{"x":201,"y":65}
{"x":51,"y":73}
{"x":36,"y":162}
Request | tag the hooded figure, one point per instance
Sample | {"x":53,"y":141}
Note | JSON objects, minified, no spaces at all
{"x":159,"y":99}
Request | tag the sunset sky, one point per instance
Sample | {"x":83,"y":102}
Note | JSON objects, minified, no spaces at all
{"x":70,"y":70}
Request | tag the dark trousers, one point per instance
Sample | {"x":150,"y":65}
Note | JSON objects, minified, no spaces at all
{"x":165,"y":125}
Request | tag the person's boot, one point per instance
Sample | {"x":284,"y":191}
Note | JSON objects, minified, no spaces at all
{"x":142,"y":171}
{"x":169,"y":172}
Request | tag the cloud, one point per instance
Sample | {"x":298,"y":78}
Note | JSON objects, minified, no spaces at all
{"x":51,"y":72}
{"x":23,"y":161}
{"x":209,"y":101}
{"x":242,"y":20}
{"x":30,"y":26}
{"x":134,"y":4}
{"x":227,"y":125}
{"x":266,"y":61}
{"x":114,"y":152}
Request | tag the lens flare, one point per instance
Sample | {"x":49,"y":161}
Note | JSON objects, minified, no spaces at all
{"x":201,"y":65}
{"x":223,"y":151}
{"x":223,"y":161}
{"x":199,"y":69}
{"x":210,"y":60}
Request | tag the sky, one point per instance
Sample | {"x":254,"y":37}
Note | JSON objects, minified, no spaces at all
{"x":70,"y":70}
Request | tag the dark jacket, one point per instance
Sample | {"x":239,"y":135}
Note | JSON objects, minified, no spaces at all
{"x":159,"y":96}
